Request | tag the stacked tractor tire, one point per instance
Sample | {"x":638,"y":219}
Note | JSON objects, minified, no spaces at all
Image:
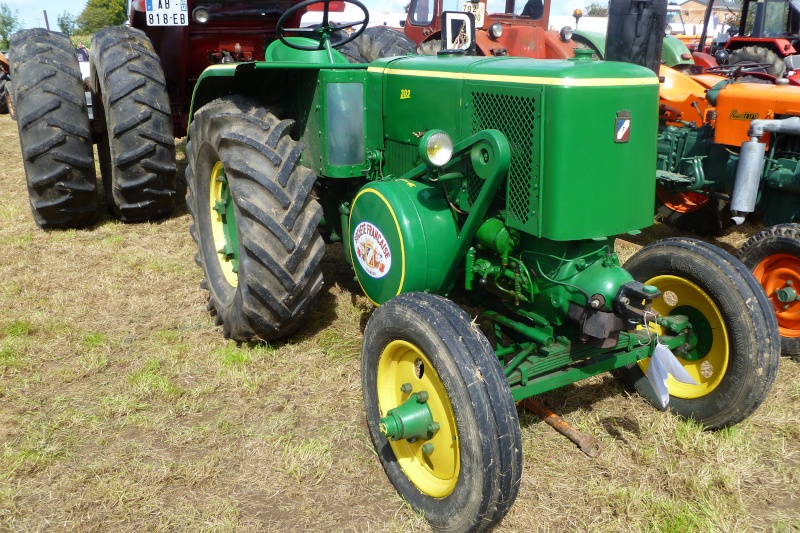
{"x":132,"y":127}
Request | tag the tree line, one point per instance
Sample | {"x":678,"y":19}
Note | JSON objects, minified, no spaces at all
{"x":97,"y":14}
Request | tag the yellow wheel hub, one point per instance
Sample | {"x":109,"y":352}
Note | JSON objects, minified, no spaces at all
{"x":222,"y":223}
{"x":708,"y":369}
{"x":435,"y":473}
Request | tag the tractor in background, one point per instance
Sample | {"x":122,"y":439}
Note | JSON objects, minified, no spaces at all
{"x":501,"y":181}
{"x":141,"y":81}
{"x":497,"y":34}
{"x":771,"y":40}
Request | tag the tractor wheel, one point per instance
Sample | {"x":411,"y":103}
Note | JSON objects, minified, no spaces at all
{"x":757,"y":54}
{"x":4,"y":86}
{"x":377,"y":42}
{"x":774,"y":257}
{"x":736,"y":354}
{"x":137,"y":153}
{"x":463,"y":476}
{"x":690,"y":211}
{"x":255,"y":221}
{"x":53,"y":129}
{"x":430,"y":48}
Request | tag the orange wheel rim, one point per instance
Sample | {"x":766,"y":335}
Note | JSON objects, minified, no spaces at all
{"x":776,"y":272}
{"x":682,"y":202}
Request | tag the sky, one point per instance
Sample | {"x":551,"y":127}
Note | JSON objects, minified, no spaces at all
{"x":30,"y":11}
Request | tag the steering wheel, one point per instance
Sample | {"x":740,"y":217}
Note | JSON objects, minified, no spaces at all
{"x":322,"y":33}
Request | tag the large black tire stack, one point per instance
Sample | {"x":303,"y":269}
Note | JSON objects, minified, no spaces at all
{"x":53,"y":129}
{"x":275,"y":214}
{"x":137,"y":152}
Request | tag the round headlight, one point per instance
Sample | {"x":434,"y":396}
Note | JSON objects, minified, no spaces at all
{"x":436,"y":148}
{"x":565,"y":33}
{"x":496,"y":30}
{"x":201,"y":15}
{"x":668,"y":30}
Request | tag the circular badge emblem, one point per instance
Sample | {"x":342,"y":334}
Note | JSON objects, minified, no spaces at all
{"x":372,"y":250}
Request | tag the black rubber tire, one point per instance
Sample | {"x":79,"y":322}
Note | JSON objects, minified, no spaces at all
{"x":276,"y":217}
{"x":754,"y":346}
{"x":430,"y":48}
{"x":137,"y":157}
{"x":377,"y":42}
{"x":53,"y":129}
{"x":758,"y":54}
{"x":778,"y":239}
{"x":5,"y":84}
{"x":484,"y":411}
{"x":709,"y":220}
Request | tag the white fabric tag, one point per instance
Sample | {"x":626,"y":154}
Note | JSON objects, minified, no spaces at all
{"x":662,"y":364}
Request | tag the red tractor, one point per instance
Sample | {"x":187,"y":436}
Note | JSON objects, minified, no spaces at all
{"x":514,"y":31}
{"x":767,"y":35}
{"x":141,"y":82}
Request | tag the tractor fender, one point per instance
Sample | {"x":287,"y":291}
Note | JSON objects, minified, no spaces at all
{"x":555,"y":48}
{"x":782,"y":47}
{"x":591,"y":39}
{"x":675,"y":53}
{"x":704,"y":60}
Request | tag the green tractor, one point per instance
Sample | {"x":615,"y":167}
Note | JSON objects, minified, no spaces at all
{"x":502,"y":181}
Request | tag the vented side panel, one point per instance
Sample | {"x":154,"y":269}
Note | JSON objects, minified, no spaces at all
{"x":400,"y":158}
{"x":517,"y":116}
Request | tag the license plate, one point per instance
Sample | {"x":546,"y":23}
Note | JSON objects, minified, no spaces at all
{"x":167,"y":13}
{"x":478,"y":9}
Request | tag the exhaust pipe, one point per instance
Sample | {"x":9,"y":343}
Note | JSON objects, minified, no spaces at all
{"x":751,"y":164}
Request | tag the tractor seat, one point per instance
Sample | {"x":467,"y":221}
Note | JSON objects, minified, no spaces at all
{"x":277,"y":51}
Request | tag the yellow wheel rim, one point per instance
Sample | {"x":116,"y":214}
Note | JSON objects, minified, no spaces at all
{"x":435,"y":474}
{"x":709,"y":367}
{"x":219,"y":196}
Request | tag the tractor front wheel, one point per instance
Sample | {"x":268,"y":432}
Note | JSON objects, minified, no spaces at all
{"x":137,"y":152}
{"x":255,"y":220}
{"x":440,"y":413}
{"x":774,"y":257}
{"x":735,"y":350}
{"x":53,"y":129}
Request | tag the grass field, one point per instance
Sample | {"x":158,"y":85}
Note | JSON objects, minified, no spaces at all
{"x":122,"y":408}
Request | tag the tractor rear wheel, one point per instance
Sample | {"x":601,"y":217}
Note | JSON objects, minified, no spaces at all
{"x":737,"y":350}
{"x":137,"y":153}
{"x":5,"y":85}
{"x":53,"y":129}
{"x":760,"y":55}
{"x":774,"y":257}
{"x":254,"y":219}
{"x":461,"y":467}
{"x":377,"y":42}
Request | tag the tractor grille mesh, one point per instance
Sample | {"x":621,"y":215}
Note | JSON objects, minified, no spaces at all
{"x":514,"y":116}
{"x":400,"y":158}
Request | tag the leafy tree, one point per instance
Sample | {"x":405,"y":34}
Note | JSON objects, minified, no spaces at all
{"x":9,"y":23}
{"x":66,"y":23}
{"x":101,"y":13}
{"x":595,"y":10}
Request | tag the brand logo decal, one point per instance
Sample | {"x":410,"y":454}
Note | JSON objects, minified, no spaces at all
{"x":735,"y":115}
{"x":622,"y":127}
{"x":372,"y":250}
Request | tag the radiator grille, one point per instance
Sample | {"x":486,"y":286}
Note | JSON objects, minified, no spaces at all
{"x":515,"y":117}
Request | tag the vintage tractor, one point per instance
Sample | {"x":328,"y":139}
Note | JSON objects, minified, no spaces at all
{"x":457,"y":175}
{"x":141,"y":82}
{"x":735,"y":145}
{"x":769,"y":37}
{"x":497,"y":34}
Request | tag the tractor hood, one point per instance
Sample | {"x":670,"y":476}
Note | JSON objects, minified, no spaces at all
{"x":566,"y":121}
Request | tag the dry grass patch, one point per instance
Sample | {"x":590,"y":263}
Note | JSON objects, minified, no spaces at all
{"x":124,"y":409}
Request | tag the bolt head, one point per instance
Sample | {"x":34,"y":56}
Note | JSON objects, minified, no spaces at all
{"x":427,"y":448}
{"x":422,"y":396}
{"x":405,"y":388}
